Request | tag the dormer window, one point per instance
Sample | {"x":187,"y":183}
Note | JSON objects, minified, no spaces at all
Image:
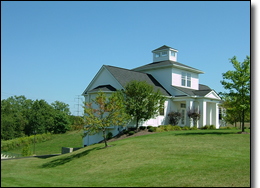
{"x":164,"y":53}
{"x":157,"y":54}
{"x":185,"y":79}
{"x":173,"y":53}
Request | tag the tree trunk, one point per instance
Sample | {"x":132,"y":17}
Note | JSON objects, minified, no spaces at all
{"x":105,"y":139}
{"x":243,"y":120}
{"x":137,"y":120}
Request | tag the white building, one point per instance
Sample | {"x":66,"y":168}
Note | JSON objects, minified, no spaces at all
{"x":178,"y":82}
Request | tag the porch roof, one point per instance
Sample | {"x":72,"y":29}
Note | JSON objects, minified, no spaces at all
{"x":203,"y":90}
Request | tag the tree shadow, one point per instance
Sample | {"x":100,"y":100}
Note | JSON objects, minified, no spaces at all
{"x":204,"y":133}
{"x":66,"y":159}
{"x":46,"y":156}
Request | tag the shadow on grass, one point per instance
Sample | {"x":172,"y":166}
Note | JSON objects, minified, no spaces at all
{"x":206,"y":133}
{"x":46,"y":156}
{"x":66,"y":159}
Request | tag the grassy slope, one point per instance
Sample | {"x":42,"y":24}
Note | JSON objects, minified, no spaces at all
{"x":71,"y":139}
{"x":180,"y":158}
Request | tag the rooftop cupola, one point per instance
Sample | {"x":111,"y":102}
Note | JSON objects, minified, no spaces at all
{"x":164,"y":53}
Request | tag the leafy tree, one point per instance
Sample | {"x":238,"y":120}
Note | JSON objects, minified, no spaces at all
{"x":105,"y":112}
{"x":61,"y":106}
{"x":141,"y":101}
{"x":61,"y":123}
{"x":238,"y":84}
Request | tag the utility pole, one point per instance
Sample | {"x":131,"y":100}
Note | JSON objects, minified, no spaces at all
{"x":78,"y":97}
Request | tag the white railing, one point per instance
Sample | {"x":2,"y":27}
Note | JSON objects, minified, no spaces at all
{"x":3,"y":156}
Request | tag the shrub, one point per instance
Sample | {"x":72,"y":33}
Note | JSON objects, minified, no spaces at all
{"x":152,"y":129}
{"x":125,"y":131}
{"x":205,"y":127}
{"x":26,"y":150}
{"x":131,"y":133}
{"x":212,"y":127}
{"x":109,"y":135}
{"x":193,"y":128}
{"x":148,"y":127}
{"x":142,"y":127}
{"x":159,"y":129}
{"x":174,"y":117}
{"x":176,"y":128}
{"x":185,"y":128}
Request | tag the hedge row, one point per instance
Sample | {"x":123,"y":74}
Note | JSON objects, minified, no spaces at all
{"x":22,"y":141}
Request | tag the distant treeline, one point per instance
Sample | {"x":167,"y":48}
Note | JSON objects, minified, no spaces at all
{"x":23,"y":117}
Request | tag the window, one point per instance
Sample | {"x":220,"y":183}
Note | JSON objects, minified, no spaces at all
{"x":157,"y":55}
{"x":220,"y":114}
{"x":172,"y":53}
{"x":182,"y":116}
{"x":183,"y":105}
{"x":188,"y":80}
{"x":183,"y":79}
{"x":164,"y":53}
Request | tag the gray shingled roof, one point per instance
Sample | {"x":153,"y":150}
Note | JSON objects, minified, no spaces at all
{"x":203,"y":90}
{"x":124,"y":76}
{"x":163,"y":47}
{"x":103,"y":88}
{"x":163,"y":63}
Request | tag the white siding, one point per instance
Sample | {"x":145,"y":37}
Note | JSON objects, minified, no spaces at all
{"x":105,"y":78}
{"x":176,"y":78}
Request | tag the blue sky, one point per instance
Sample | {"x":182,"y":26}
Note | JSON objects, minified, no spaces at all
{"x":52,"y":50}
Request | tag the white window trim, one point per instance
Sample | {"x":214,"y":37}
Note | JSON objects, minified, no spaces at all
{"x":184,"y":76}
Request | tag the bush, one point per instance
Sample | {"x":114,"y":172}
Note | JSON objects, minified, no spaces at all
{"x":148,"y":127}
{"x":185,"y":128}
{"x":205,"y":127}
{"x":152,"y":129}
{"x":109,"y":135}
{"x":142,"y":127}
{"x":176,"y":128}
{"x":131,"y":133}
{"x":26,"y":150}
{"x":212,"y":127}
{"x":125,"y":131}
{"x":193,"y":128}
{"x":159,"y":129}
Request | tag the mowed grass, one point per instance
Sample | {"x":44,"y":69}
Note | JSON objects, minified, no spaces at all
{"x":203,"y":158}
{"x":72,"y":139}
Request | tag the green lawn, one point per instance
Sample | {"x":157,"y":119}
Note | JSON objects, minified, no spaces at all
{"x":70,"y":139}
{"x":203,"y":158}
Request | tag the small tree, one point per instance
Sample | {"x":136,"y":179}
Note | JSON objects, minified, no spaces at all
{"x":238,"y":84}
{"x":141,"y":101}
{"x":174,"y":117}
{"x":108,"y":111}
{"x":194,"y":114}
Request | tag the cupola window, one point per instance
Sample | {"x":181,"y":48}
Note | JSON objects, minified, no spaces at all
{"x":157,"y":54}
{"x":164,"y":53}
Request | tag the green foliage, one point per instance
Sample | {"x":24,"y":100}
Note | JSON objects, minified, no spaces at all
{"x":125,"y":131}
{"x":237,"y":82}
{"x":174,"y":117}
{"x":142,"y":127}
{"x":22,"y":141}
{"x":149,"y":126}
{"x":108,"y":111}
{"x":185,"y":128}
{"x":142,"y":102}
{"x":205,"y":127}
{"x":212,"y":127}
{"x":193,"y":128}
{"x":26,"y":150}
{"x":152,"y":129}
{"x":21,"y":116}
{"x":131,"y":133}
{"x":109,"y":135}
{"x":176,"y":128}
